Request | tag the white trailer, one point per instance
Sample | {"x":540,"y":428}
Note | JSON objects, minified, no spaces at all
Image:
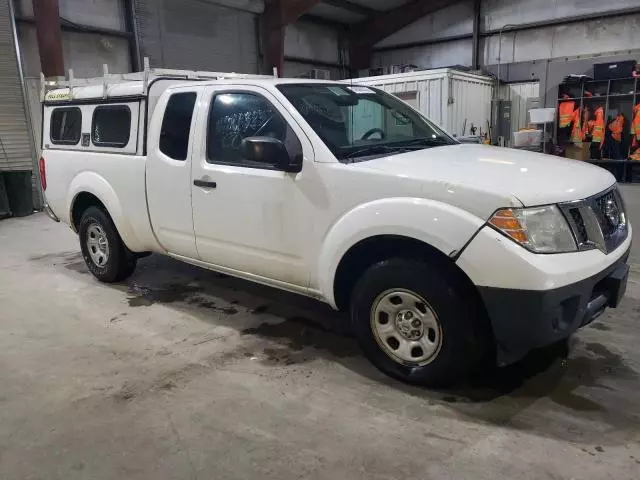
{"x":451,"y":98}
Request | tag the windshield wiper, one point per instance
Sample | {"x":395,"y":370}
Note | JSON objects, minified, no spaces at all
{"x":415,"y":144}
{"x":373,"y":149}
{"x":430,"y":142}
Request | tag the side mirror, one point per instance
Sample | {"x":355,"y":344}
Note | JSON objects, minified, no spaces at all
{"x":270,"y":151}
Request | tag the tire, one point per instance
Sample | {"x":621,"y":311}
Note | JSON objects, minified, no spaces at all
{"x":106,"y":256}
{"x":452,"y":325}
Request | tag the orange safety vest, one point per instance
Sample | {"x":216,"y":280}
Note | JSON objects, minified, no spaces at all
{"x":598,"y":127}
{"x":635,"y":125}
{"x":576,"y":131}
{"x":565,"y":109}
{"x":615,"y":127}
{"x":586,"y":128}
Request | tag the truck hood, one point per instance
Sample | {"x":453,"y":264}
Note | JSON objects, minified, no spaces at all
{"x":532,"y":178}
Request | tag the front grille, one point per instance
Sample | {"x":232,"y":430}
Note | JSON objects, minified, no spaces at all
{"x":580,"y":229}
{"x":598,"y":222}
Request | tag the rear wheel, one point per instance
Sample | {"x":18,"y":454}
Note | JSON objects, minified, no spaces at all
{"x":417,"y":322}
{"x":102,"y":248}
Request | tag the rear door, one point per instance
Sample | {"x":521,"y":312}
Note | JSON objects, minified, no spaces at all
{"x":168,"y":172}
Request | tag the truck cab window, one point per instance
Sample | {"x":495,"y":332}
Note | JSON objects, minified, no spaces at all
{"x":65,"y":126}
{"x":236,"y":116}
{"x":176,"y":125}
{"x":111,"y":126}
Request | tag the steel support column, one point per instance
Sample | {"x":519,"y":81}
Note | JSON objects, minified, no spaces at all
{"x":475,"y":52}
{"x":276,"y":16}
{"x":48,"y":32}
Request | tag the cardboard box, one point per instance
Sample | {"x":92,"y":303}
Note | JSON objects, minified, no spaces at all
{"x":578,"y":151}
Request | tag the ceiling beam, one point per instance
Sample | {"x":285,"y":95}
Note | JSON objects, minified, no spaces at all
{"x":382,"y":24}
{"x":364,"y":35}
{"x":292,"y":10}
{"x":351,"y":7}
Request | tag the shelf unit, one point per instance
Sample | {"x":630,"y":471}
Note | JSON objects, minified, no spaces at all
{"x":617,"y":94}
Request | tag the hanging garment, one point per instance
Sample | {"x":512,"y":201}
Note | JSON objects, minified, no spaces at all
{"x":615,"y":127}
{"x":635,"y":125}
{"x":586,"y":114}
{"x":565,"y":110}
{"x":598,"y":127}
{"x":576,"y":130}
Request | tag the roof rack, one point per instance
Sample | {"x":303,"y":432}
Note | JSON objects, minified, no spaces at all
{"x":146,"y":76}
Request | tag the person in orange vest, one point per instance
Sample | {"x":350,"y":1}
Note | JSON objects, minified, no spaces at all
{"x":576,"y":131}
{"x":565,"y":111}
{"x":616,"y":127}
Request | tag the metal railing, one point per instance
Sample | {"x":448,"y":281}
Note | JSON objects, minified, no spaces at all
{"x":145,"y":76}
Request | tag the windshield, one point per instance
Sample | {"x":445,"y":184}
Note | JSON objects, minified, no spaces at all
{"x":358,"y":123}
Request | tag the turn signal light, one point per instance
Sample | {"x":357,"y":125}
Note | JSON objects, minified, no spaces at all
{"x":43,"y":174}
{"x":506,"y":221}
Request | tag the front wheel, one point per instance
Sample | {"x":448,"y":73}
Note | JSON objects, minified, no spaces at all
{"x":417,"y":322}
{"x":102,"y":248}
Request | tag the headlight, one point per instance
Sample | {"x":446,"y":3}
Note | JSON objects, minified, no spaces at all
{"x":539,"y":229}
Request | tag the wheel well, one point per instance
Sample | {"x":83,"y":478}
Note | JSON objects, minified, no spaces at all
{"x":375,"y":249}
{"x":83,"y":201}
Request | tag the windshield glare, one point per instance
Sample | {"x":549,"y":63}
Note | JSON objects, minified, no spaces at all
{"x":357,"y":121}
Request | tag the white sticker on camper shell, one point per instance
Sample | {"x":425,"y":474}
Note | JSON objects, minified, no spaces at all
{"x":362,"y":90}
{"x":58,"y":96}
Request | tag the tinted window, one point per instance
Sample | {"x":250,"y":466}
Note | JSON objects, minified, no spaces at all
{"x":111,"y":126}
{"x":236,"y":116}
{"x":176,"y":124}
{"x":65,"y":125}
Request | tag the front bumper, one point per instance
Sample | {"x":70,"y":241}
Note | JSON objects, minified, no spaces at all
{"x":526,"y":319}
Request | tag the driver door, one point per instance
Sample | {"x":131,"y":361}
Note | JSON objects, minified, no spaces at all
{"x":250,"y":217}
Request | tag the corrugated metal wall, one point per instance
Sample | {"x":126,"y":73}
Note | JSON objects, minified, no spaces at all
{"x":471,"y":105}
{"x":447,"y":25}
{"x":15,"y":146}
{"x":522,"y":95}
{"x":193,"y":34}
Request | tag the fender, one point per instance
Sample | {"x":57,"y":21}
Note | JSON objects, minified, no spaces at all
{"x":437,"y":224}
{"x":97,"y":185}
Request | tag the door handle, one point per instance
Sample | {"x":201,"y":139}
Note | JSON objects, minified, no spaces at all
{"x":204,"y":184}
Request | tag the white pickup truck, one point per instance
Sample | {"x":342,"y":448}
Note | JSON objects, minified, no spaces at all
{"x":442,"y":252}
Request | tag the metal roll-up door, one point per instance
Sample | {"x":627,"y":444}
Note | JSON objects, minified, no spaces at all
{"x":197,"y":35}
{"x":15,"y":143}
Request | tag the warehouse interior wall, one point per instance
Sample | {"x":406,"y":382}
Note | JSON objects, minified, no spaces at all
{"x":97,"y":13}
{"x":198,"y":35}
{"x":84,"y":52}
{"x":309,"y":46}
{"x":451,"y":29}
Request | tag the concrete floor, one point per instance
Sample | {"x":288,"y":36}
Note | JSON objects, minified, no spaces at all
{"x":182,"y":373}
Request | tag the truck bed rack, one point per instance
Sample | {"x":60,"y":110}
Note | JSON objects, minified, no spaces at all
{"x":66,"y":87}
